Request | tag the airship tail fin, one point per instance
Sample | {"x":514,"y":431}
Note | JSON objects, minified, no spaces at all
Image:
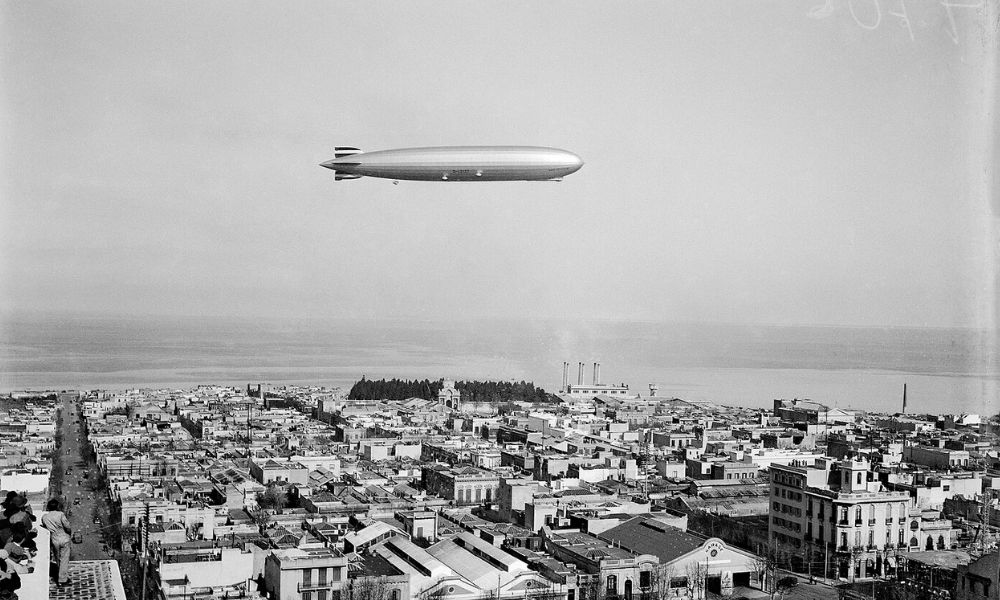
{"x":338,"y":175}
{"x":342,"y":151}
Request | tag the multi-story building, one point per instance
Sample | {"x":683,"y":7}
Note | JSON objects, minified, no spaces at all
{"x":835,"y":513}
{"x":305,"y":573}
{"x":940,"y":458}
{"x":463,"y":485}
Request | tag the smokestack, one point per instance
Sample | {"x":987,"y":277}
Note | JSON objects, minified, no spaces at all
{"x":595,"y":374}
{"x":597,"y":378}
{"x":565,"y":385}
{"x":579,"y":377}
{"x":904,"y":398}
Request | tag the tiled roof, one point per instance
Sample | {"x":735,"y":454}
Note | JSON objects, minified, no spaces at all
{"x":91,"y":580}
{"x":646,"y":535}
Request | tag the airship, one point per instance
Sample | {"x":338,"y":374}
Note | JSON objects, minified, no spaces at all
{"x":456,"y":163}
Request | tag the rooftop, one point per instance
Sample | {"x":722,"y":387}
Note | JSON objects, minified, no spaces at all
{"x":91,"y":580}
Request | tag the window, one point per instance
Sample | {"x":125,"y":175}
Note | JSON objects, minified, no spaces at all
{"x":307,"y":595}
{"x":307,"y":577}
{"x":612,"y":585}
{"x":644,"y":579}
{"x":678,"y":582}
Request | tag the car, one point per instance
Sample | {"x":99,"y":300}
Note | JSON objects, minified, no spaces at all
{"x":97,"y":521}
{"x":77,"y":538}
{"x":68,"y":471}
{"x":76,"y":501}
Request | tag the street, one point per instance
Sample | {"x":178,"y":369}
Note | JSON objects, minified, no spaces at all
{"x":74,"y":486}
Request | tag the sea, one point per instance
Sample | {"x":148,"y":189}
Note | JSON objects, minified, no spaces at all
{"x":946,"y":370}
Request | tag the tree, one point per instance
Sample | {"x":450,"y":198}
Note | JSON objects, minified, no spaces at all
{"x":261,"y":518}
{"x":696,"y":573}
{"x":659,"y":583}
{"x":367,"y":588}
{"x":273,"y":497}
{"x":765,"y":565}
{"x":590,"y":588}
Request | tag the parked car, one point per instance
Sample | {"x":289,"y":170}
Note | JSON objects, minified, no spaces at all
{"x":77,"y":538}
{"x":76,"y":501}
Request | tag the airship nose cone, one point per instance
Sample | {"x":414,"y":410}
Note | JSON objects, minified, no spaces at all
{"x":572,"y":161}
{"x":328,"y":164}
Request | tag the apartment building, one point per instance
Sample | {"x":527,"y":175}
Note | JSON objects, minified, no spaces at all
{"x":305,"y":573}
{"x":836,"y":513}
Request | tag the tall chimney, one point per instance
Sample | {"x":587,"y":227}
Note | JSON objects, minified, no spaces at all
{"x":597,"y":377}
{"x":565,"y":384}
{"x":579,"y":377}
{"x":904,"y":398}
{"x":595,"y":374}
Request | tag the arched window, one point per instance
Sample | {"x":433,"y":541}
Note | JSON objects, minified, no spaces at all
{"x":914,"y":542}
{"x":940,"y":543}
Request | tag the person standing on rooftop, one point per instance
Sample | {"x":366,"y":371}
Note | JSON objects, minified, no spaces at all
{"x":61,"y":538}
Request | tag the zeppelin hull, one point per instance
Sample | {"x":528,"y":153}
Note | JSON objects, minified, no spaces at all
{"x":477,"y":163}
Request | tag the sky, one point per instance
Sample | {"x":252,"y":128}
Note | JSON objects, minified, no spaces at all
{"x":826,"y":162}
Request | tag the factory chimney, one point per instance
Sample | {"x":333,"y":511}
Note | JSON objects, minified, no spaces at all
{"x":597,"y":375}
{"x":579,"y":377}
{"x":565,"y":384}
{"x":904,"y":398}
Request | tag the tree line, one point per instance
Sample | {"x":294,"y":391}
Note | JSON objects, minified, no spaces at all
{"x":472,"y":391}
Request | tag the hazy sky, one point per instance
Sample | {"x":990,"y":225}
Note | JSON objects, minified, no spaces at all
{"x":782,"y":162}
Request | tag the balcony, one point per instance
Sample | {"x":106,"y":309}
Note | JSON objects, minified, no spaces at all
{"x":842,"y":548}
{"x":902,"y":520}
{"x":842,"y":522}
{"x":315,"y":586}
{"x":871,"y":522}
{"x":888,"y":521}
{"x":857,"y":522}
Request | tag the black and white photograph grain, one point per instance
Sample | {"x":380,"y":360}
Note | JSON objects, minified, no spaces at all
{"x":500,"y":300}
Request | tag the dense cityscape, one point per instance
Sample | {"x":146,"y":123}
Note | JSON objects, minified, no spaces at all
{"x":412,"y":490}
